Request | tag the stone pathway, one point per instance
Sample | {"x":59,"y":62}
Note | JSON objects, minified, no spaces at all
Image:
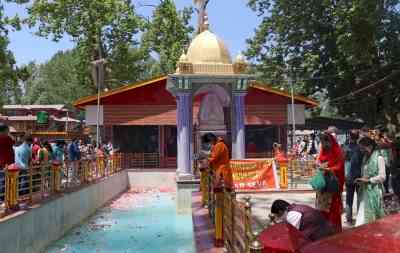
{"x":203,"y":230}
{"x":261,"y":203}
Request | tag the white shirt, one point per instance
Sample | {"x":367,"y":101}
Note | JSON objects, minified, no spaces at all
{"x":294,"y":218}
{"x":380,"y":178}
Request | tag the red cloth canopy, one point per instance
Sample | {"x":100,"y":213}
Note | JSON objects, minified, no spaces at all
{"x":282,"y":238}
{"x":379,"y":237}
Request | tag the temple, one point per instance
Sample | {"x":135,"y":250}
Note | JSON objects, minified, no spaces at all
{"x":161,"y":121}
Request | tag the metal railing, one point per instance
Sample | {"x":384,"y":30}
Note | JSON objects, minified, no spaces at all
{"x":147,"y":161}
{"x":300,"y":172}
{"x":240,"y":228}
{"x":259,"y":155}
{"x":19,"y":188}
{"x":231,"y":216}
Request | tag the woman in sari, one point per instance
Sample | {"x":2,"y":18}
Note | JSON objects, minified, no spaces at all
{"x":331,"y":159}
{"x":371,"y":183}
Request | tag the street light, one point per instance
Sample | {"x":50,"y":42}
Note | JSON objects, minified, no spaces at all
{"x":290,"y":81}
{"x":98,"y":77}
{"x":293,"y":114}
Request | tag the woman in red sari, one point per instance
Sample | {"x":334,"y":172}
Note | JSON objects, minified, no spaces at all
{"x":331,"y":158}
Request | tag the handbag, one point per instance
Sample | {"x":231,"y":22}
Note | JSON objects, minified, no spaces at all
{"x":318,"y":182}
{"x":331,"y":183}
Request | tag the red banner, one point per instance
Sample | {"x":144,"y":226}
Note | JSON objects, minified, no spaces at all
{"x":254,"y":174}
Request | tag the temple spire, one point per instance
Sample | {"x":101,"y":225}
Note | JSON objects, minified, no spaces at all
{"x":201,"y":7}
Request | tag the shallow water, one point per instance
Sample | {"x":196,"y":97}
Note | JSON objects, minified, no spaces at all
{"x":139,"y":223}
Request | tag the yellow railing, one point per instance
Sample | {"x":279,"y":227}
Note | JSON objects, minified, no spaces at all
{"x":232,"y":218}
{"x":300,"y":172}
{"x":240,"y":229}
{"x":40,"y":181}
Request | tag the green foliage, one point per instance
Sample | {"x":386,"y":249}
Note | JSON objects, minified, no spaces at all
{"x":100,"y":28}
{"x":334,"y":43}
{"x":167,"y":34}
{"x":10,"y":91}
{"x":55,"y":82}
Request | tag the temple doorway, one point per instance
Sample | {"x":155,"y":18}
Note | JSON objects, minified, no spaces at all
{"x":212,"y":114}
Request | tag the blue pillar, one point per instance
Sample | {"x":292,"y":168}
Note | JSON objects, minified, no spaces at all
{"x":239,"y":128}
{"x":184,"y":127}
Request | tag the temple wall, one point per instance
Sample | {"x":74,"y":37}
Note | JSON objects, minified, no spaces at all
{"x":154,"y":115}
{"x":32,"y":231}
{"x":152,"y":179}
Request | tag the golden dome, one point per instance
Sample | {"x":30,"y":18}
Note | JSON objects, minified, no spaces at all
{"x":208,"y":48}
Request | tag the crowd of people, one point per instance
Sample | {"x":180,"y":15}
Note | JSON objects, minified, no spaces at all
{"x":367,"y":165}
{"x":27,"y":151}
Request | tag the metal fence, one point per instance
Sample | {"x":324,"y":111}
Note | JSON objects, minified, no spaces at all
{"x":259,"y":155}
{"x":231,"y":217}
{"x":147,"y":161}
{"x":41,"y":181}
{"x":240,"y":228}
{"x":296,"y":174}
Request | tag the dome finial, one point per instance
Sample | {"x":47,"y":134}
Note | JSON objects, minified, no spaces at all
{"x":202,"y":12}
{"x":205,"y":26}
{"x":183,"y":57}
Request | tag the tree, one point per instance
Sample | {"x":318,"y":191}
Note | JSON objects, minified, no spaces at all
{"x":333,"y":46}
{"x":100,"y":29}
{"x":167,"y":34}
{"x":9,"y":88}
{"x":56,"y":81}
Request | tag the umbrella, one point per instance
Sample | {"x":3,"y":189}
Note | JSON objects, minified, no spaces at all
{"x":379,"y":237}
{"x":282,"y":238}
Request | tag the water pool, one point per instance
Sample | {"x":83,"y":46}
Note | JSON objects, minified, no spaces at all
{"x":137,"y":223}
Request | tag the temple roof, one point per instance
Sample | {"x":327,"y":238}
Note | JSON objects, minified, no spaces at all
{"x":208,"y":48}
{"x":90,"y":100}
{"x":33,"y":107}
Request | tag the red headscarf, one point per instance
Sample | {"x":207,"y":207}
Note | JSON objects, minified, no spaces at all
{"x":335,"y":158}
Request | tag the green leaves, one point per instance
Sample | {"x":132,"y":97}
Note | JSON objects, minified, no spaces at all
{"x":99,"y":28}
{"x":55,"y":82}
{"x":9,"y":88}
{"x":330,"y":43}
{"x":167,"y":34}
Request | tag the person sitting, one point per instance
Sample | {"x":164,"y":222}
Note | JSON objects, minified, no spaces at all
{"x":309,"y":221}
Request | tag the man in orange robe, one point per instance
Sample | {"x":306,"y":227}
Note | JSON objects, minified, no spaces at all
{"x":219,"y":160}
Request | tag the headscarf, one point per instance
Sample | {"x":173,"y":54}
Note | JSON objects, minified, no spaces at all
{"x":335,"y":158}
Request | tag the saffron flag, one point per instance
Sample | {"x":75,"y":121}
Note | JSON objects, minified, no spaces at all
{"x":254,"y":174}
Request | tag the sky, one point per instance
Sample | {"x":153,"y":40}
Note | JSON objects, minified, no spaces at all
{"x":231,"y":20}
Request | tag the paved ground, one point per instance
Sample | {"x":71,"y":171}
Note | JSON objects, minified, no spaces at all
{"x":203,"y":230}
{"x":261,"y":203}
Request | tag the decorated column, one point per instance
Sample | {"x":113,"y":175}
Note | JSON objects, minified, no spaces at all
{"x":184,"y":125}
{"x":238,"y":134}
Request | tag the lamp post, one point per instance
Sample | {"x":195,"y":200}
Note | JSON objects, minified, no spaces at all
{"x":98,"y":76}
{"x":293,"y":113}
{"x":290,"y":81}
